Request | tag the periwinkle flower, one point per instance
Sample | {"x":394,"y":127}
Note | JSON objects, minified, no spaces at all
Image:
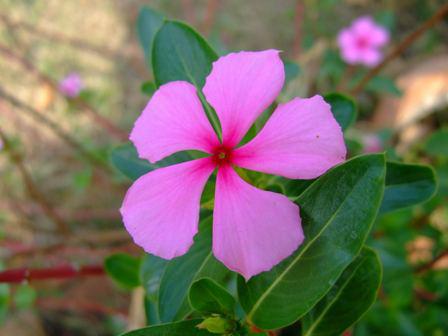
{"x":253,"y":229}
{"x":71,"y":85}
{"x":372,"y":143}
{"x":361,"y":42}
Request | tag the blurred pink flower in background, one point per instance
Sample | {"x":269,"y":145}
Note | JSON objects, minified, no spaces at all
{"x":361,"y":42}
{"x":372,"y":143}
{"x":71,"y":85}
{"x":253,"y":229}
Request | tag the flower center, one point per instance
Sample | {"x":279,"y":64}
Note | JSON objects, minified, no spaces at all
{"x":362,"y":42}
{"x":222,"y":155}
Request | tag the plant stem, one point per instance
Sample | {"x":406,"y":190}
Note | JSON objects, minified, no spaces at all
{"x":19,"y":275}
{"x":78,"y":101}
{"x":401,"y":47}
{"x":429,"y":265}
{"x":31,"y":187}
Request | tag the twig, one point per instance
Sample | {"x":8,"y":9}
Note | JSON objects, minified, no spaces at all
{"x":78,"y":101}
{"x":32,"y":188}
{"x":19,"y":275}
{"x":429,"y":265}
{"x":402,"y":46}
{"x":41,"y":118}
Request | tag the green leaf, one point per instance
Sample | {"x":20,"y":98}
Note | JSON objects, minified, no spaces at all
{"x":24,"y":297}
{"x":343,"y":108}
{"x":123,"y":269}
{"x":407,"y":185}
{"x":292,"y":70}
{"x":148,"y":24}
{"x":337,"y":212}
{"x":183,"y":328}
{"x":382,"y":84}
{"x":437,"y":144}
{"x":125,"y":159}
{"x":180,"y":53}
{"x":349,"y":299}
{"x":148,"y":88}
{"x":4,"y":301}
{"x":181,"y":272}
{"x":218,"y":325}
{"x":151,"y":271}
{"x":206,"y":296}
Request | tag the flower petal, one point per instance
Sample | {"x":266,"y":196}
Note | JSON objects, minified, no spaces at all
{"x":173,"y":120}
{"x":240,"y":87}
{"x":371,"y":57}
{"x":301,"y":140}
{"x":161,"y":209}
{"x":253,"y":230}
{"x":379,"y":36}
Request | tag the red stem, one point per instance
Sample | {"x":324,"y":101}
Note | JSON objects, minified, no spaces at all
{"x":61,"y":272}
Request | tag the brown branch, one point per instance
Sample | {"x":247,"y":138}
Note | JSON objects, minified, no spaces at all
{"x":401,"y":47}
{"x":19,"y":275}
{"x":32,"y":189}
{"x":41,"y":118}
{"x":429,"y":265}
{"x":96,"y":117}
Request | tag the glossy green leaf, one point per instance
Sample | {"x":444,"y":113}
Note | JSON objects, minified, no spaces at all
{"x":151,"y":271}
{"x":437,"y":144}
{"x":125,"y":159}
{"x":337,"y":212}
{"x":407,"y":185}
{"x":181,"y":272}
{"x":343,"y":108}
{"x":208,"y":297}
{"x":123,"y":269}
{"x":148,"y":24}
{"x":348,"y":300}
{"x":183,"y":328}
{"x":180,"y":53}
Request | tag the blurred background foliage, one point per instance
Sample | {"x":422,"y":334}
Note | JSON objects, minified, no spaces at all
{"x":63,"y":146}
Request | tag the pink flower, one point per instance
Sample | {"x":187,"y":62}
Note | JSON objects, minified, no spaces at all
{"x":253,"y":230}
{"x":372,"y":143}
{"x":71,"y":85}
{"x":361,"y":42}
